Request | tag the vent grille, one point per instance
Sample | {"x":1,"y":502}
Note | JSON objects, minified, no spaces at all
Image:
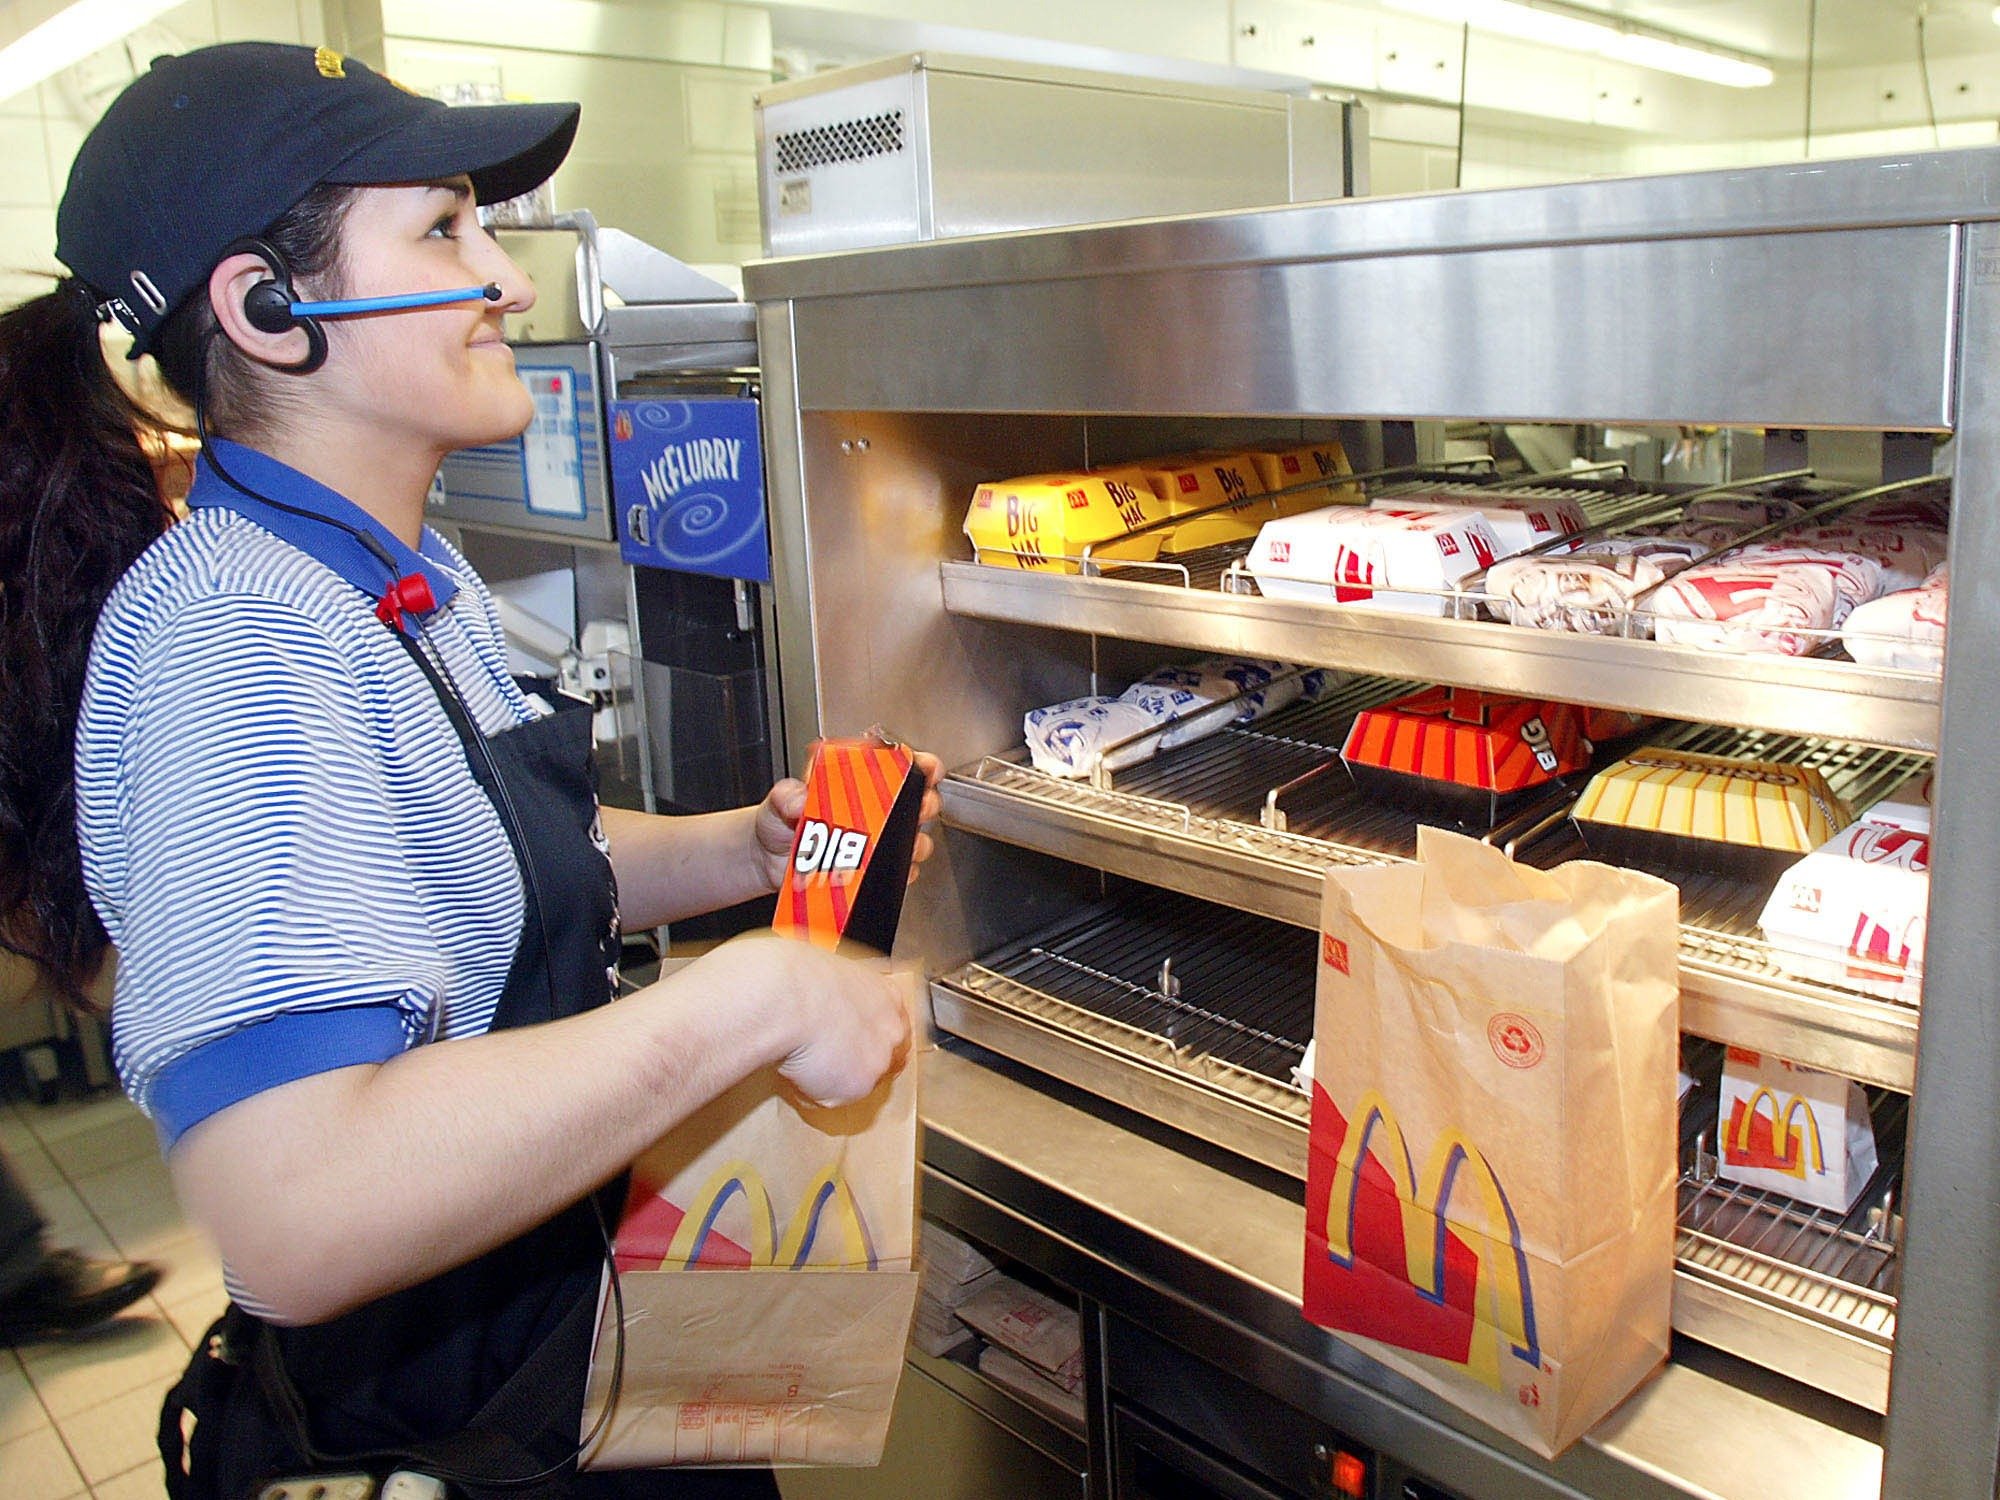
{"x":847,"y":140}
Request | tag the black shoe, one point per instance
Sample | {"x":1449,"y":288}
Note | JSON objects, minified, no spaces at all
{"x":70,"y":1292}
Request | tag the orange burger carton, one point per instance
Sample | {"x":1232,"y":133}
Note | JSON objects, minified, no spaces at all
{"x":856,"y":838}
{"x":1465,"y":755}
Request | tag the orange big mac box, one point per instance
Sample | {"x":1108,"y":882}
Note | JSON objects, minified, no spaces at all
{"x":1468,"y":756}
{"x":856,"y":837}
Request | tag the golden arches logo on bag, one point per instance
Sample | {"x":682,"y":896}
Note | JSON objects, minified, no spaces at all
{"x":1474,"y":1298}
{"x":1780,"y":1145}
{"x":825,"y":1231}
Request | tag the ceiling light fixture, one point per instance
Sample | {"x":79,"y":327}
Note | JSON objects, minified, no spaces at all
{"x":69,"y":36}
{"x":1578,"y":30}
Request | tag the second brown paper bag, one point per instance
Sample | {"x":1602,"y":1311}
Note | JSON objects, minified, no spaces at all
{"x":1490,"y":1186}
{"x":765,"y":1254}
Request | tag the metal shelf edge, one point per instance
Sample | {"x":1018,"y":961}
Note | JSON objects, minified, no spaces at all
{"x":1786,"y":695}
{"x":1716,"y":1312}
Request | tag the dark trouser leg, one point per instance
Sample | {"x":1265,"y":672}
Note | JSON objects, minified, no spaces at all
{"x":21,"y":1227}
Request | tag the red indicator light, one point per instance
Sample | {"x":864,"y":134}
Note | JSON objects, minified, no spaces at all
{"x":1350,"y":1476}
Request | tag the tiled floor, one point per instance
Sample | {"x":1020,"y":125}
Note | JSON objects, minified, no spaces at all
{"x":78,"y":1418}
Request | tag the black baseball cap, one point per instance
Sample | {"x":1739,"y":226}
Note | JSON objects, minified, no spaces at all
{"x":212,"y":145}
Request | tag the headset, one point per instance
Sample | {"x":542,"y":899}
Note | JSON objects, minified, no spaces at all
{"x":409,"y":594}
{"x":272,"y":307}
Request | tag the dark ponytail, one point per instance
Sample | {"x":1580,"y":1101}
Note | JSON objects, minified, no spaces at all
{"x":78,"y":504}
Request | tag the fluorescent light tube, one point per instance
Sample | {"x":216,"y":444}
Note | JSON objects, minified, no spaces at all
{"x":69,"y":36}
{"x":1663,"y":56}
{"x":1577,"y":30}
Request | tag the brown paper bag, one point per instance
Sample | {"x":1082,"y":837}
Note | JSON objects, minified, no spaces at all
{"x":1490,"y":1186}
{"x":765,"y":1257}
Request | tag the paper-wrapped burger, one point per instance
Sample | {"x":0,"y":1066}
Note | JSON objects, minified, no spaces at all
{"x":1783,"y":602}
{"x":1904,"y":629}
{"x":1183,"y":703}
{"x":1405,"y":560}
{"x":1590,"y":591}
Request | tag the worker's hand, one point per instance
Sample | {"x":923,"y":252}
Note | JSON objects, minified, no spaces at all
{"x":778,"y":817}
{"x":776,"y":826}
{"x":839,"y":1022}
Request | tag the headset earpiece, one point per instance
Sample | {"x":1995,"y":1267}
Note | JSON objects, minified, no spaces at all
{"x":267,"y":306}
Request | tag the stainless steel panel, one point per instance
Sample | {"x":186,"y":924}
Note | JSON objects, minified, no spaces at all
{"x":1786,"y":695}
{"x":1928,"y":189}
{"x":1723,"y":1315}
{"x":947,"y":1442}
{"x":791,"y":578}
{"x":672,"y":338}
{"x":1541,"y":333}
{"x":1212,"y":1262}
{"x":1944,"y":1398}
{"x":1010,"y":152}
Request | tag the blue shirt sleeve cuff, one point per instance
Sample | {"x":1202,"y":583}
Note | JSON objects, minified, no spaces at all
{"x":281,"y":1050}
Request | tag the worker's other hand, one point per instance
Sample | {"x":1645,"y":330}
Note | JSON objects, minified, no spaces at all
{"x":841,"y":1020}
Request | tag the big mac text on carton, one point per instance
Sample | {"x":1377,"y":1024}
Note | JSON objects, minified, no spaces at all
{"x":856,"y":838}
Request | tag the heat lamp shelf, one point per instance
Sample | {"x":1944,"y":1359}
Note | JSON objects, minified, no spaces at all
{"x":1785,"y":694}
{"x":1731,"y":989}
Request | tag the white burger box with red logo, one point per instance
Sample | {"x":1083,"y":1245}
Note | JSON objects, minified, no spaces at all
{"x":1518,"y":522}
{"x":1405,"y":560}
{"x":1852,"y":912}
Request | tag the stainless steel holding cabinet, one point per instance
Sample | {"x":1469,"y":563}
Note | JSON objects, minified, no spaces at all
{"x":1861,"y":295}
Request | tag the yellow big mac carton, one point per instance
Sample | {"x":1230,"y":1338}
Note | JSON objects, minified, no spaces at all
{"x":1286,"y":468}
{"x":1042,"y":522}
{"x":1708,"y":812}
{"x":1200,"y":481}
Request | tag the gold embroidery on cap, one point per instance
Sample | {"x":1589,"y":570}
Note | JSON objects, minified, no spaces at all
{"x":329,"y":62}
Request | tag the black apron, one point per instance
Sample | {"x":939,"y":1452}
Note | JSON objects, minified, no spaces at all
{"x":479,"y":1370}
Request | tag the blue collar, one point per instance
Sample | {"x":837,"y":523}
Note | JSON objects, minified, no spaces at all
{"x":337,"y":549}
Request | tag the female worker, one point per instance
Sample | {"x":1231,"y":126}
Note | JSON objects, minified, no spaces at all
{"x":362,"y":899}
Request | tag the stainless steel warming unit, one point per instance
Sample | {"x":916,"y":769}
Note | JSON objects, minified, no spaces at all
{"x":1135,"y":1139}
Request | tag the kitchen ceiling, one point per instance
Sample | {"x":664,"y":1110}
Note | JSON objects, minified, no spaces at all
{"x":1850,"y":32}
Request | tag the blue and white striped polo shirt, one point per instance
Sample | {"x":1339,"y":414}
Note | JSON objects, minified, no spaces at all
{"x":279,"y":825}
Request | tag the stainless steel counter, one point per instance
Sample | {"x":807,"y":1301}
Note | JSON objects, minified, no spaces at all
{"x":1183,"y":1245}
